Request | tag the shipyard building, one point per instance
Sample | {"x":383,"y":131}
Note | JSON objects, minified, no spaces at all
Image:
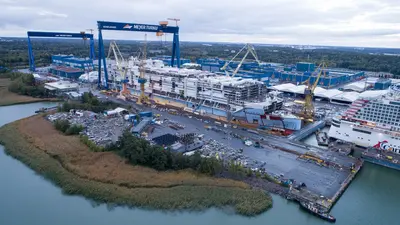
{"x":271,"y":73}
{"x":69,"y":66}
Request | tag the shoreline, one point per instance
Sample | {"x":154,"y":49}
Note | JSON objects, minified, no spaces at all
{"x":8,"y":98}
{"x":181,"y":195}
{"x":28,"y":102}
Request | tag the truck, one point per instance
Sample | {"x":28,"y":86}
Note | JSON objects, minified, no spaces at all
{"x":248,"y":143}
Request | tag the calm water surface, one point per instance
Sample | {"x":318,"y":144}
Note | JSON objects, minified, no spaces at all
{"x":28,"y":199}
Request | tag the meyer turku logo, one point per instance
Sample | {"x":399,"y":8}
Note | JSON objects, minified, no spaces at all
{"x":127,"y":26}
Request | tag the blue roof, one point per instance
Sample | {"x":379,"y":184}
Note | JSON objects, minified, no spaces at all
{"x":138,"y":128}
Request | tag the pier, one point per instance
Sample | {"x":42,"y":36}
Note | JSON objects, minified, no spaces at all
{"x":325,"y":203}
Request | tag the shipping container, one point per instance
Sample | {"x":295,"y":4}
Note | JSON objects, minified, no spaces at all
{"x":146,"y":114}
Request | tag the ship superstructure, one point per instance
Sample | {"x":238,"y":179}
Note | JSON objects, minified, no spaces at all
{"x":371,"y":122}
{"x":208,"y":93}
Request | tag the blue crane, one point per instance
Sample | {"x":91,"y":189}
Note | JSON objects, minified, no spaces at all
{"x":81,"y":35}
{"x":119,"y":26}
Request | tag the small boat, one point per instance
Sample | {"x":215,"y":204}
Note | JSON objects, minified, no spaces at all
{"x":41,"y":110}
{"x":314,"y":210}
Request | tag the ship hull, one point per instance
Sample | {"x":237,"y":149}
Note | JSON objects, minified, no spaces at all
{"x":381,"y":162}
{"x":323,"y":216}
{"x":282,"y":123}
{"x":363,"y":136}
{"x":252,"y":120}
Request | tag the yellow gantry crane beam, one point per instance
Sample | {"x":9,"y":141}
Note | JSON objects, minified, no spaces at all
{"x":143,"y":99}
{"x":308,"y":111}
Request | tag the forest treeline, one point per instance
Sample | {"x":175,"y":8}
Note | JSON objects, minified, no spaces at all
{"x":14,"y":54}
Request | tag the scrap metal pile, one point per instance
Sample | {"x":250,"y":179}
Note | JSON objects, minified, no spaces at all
{"x":213,"y":148}
{"x":100,"y":129}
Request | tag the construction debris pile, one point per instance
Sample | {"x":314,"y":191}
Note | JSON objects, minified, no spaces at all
{"x":213,"y":148}
{"x":100,"y":129}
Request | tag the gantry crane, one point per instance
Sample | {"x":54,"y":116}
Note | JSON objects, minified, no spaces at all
{"x":250,"y":49}
{"x":143,"y":99}
{"x":118,"y":26}
{"x":308,"y":111}
{"x":81,"y":35}
{"x":121,"y":66}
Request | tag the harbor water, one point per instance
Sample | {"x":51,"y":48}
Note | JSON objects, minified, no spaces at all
{"x":312,"y":139}
{"x":26,"y":198}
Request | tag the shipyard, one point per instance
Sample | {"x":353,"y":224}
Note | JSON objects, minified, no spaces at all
{"x":239,"y":110}
{"x":224,"y":110}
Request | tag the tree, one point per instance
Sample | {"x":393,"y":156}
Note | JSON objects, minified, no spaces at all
{"x":140,"y":152}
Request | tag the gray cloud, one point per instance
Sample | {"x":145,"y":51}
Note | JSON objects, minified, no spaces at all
{"x":339,"y":22}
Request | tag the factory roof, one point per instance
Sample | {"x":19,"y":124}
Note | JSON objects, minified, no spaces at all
{"x":61,"y":85}
{"x":298,"y":89}
{"x":72,"y":57}
{"x":138,"y":128}
{"x":190,"y":64}
{"x":371,"y":80}
{"x":330,"y":93}
{"x":318,"y":92}
{"x":284,"y":87}
{"x":347,"y":96}
{"x":395,"y":81}
{"x":358,"y":86}
{"x":373,"y":94}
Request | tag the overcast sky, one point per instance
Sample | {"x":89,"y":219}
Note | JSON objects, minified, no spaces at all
{"x":373,"y":23}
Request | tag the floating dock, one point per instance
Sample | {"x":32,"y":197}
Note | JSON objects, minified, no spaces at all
{"x":322,"y":138}
{"x":381,"y":157}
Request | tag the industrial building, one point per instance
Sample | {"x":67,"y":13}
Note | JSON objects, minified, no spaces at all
{"x":71,"y":61}
{"x":69,"y":66}
{"x":296,"y":74}
{"x":332,"y":95}
{"x":67,"y":72}
{"x":382,"y":84}
{"x":61,"y":87}
{"x":140,"y":127}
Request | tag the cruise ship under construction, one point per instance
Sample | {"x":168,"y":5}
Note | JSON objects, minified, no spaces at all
{"x":237,"y":100}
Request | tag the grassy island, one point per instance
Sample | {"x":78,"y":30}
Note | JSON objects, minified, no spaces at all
{"x":106,"y":177}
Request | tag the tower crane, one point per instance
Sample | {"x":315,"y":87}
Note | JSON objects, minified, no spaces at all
{"x":143,"y":99}
{"x":308,"y":111}
{"x":250,"y":49}
{"x":175,"y":19}
{"x":91,"y":30}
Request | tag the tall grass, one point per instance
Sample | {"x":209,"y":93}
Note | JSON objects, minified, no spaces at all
{"x":245,"y":201}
